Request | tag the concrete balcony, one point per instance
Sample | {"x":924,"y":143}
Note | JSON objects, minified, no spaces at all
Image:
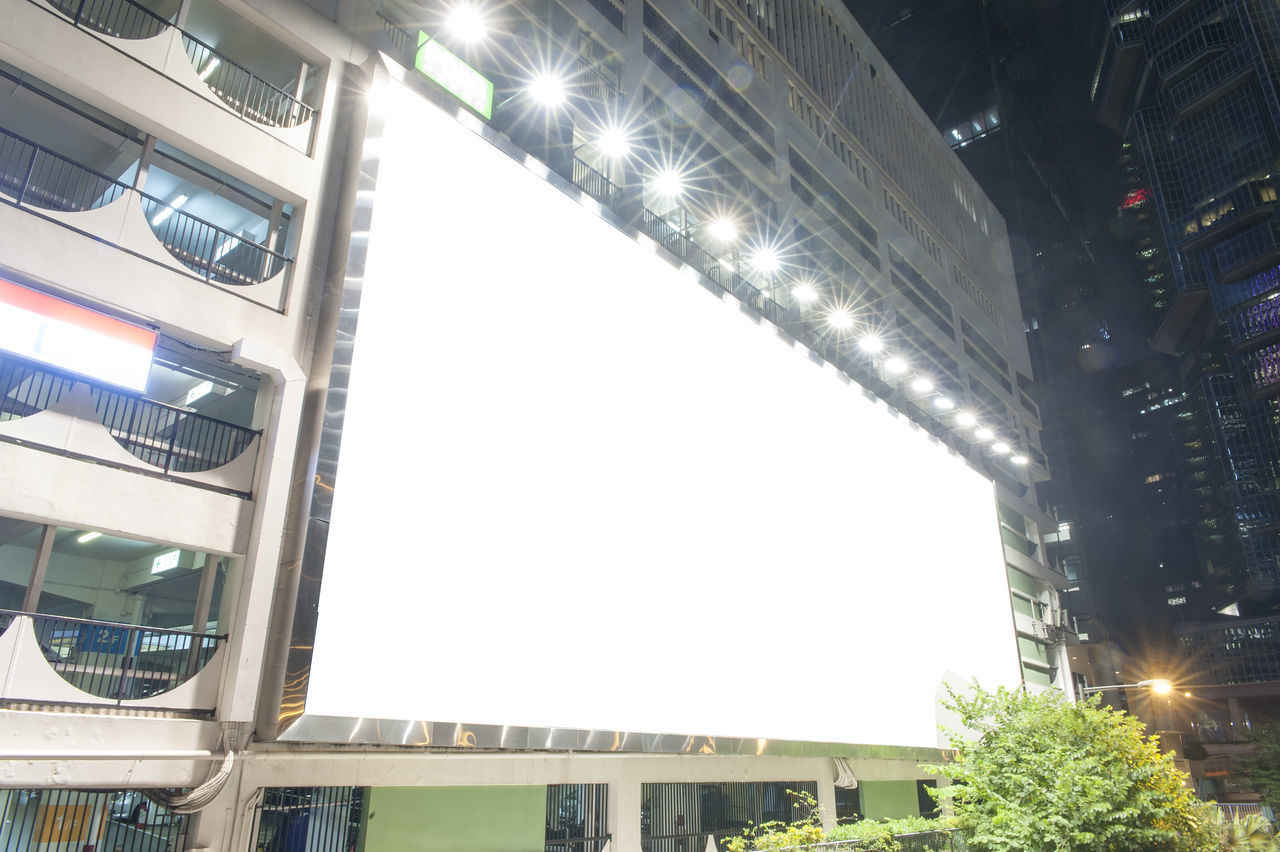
{"x":58,"y":661}
{"x":59,"y":413}
{"x":41,"y":181}
{"x":139,"y":32}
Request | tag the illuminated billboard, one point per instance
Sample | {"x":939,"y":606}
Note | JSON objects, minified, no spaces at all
{"x":64,"y":335}
{"x":577,"y":490}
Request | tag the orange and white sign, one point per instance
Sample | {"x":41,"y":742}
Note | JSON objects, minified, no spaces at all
{"x":69,"y":337}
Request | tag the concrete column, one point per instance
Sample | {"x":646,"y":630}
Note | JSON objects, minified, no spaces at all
{"x":1236,"y":712}
{"x":144,"y":164}
{"x":827,"y":795}
{"x":38,"y":568}
{"x":624,"y":814}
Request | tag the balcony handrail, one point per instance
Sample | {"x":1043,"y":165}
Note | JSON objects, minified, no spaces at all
{"x":305,"y":112}
{"x":37,"y":148}
{"x":178,"y":215}
{"x":37,"y":366}
{"x":158,"y":23}
{"x":175,"y":439}
{"x":94,"y":622}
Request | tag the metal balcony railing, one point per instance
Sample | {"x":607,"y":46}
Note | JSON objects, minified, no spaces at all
{"x":170,"y":438}
{"x":118,"y":18}
{"x":34,"y":176}
{"x":595,"y":184}
{"x":117,"y":662}
{"x":682,"y":246}
{"x":248,"y":95}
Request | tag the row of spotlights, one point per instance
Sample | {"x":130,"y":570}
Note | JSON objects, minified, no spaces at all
{"x":466,"y":23}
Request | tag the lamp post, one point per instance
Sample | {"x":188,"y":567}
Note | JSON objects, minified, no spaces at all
{"x":1158,"y":686}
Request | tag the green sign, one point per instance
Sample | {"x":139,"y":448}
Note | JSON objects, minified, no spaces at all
{"x":455,"y":76}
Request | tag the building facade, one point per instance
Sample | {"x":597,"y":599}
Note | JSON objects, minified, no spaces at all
{"x":200,"y":182}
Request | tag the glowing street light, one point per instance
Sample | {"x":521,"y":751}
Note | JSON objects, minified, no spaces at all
{"x":804,"y":292}
{"x":668,"y":183}
{"x":840,"y":319}
{"x":614,"y":142}
{"x":723,"y":230}
{"x":548,"y":89}
{"x":765,"y":260}
{"x":466,"y":22}
{"x":1158,"y":686}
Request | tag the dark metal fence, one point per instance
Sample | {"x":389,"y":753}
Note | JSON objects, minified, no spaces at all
{"x":63,"y":820}
{"x":119,"y":18}
{"x":317,"y":819}
{"x":214,"y":253}
{"x":34,"y":176}
{"x":118,"y":662}
{"x":170,"y":438}
{"x":683,"y":817}
{"x":246,"y":93}
{"x":594,"y":183}
{"x":577,"y":817}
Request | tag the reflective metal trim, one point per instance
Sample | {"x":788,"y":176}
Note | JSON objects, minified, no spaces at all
{"x":454,"y":735}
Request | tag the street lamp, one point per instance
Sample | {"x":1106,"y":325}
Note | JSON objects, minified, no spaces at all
{"x":1158,"y":686}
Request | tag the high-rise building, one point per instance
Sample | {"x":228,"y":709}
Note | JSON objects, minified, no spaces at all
{"x":575,"y":423}
{"x":994,"y":79}
{"x":1190,"y":88}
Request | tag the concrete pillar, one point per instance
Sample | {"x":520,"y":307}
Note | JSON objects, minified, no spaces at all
{"x":39,"y":566}
{"x":624,"y":814}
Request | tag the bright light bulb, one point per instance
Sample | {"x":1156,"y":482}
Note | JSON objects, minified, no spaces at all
{"x":1000,"y":448}
{"x":840,"y":319}
{"x":964,"y":418}
{"x":667,"y":183}
{"x":1161,"y":686}
{"x":548,"y":89}
{"x":467,"y":23}
{"x":722,"y":230}
{"x":896,"y":366}
{"x":944,"y":403}
{"x":805,"y":292}
{"x":87,"y":537}
{"x":871,"y":344}
{"x":1019,"y":459}
{"x":922,"y":384}
{"x":614,"y":142}
{"x":982,"y":433}
{"x":765,"y":260}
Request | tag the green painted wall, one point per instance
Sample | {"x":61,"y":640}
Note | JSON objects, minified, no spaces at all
{"x":889,"y":799}
{"x":1035,"y":677}
{"x":456,"y":819}
{"x":1021,"y":581}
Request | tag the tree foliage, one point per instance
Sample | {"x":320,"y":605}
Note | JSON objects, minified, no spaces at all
{"x":1037,"y":773}
{"x":1261,"y":767}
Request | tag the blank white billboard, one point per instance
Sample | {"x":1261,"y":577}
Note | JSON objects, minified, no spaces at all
{"x":577,"y":490}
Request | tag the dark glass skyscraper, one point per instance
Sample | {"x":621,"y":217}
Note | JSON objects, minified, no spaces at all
{"x":1192,"y":87}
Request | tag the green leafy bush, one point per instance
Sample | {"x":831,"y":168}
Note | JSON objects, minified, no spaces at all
{"x":1045,"y":774}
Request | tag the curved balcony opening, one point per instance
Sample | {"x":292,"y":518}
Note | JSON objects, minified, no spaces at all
{"x":255,"y":75}
{"x":196,"y":416}
{"x":57,"y":154}
{"x":116,"y":618}
{"x":127,"y":19}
